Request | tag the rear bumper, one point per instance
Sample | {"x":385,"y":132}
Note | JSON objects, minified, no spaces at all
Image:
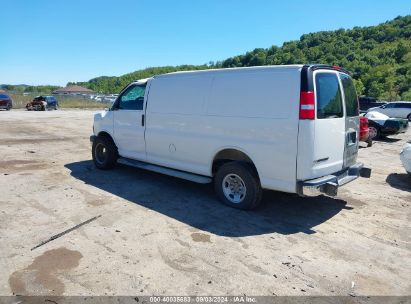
{"x":92,"y":138}
{"x":329,"y":184}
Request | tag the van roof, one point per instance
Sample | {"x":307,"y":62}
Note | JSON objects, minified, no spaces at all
{"x":254,"y":68}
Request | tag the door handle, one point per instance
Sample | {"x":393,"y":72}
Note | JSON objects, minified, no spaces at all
{"x":142,"y":120}
{"x":351,"y":138}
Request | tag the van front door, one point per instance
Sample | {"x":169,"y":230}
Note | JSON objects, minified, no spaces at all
{"x":129,"y":123}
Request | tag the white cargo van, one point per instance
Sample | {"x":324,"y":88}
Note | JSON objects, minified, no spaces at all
{"x":287,"y":128}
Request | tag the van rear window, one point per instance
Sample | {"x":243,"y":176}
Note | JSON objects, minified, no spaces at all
{"x":329,"y":101}
{"x":351,"y":103}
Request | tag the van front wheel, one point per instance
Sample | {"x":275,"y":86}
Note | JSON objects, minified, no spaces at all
{"x":104,"y":153}
{"x":238,"y":186}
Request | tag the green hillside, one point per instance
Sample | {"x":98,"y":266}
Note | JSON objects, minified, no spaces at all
{"x":378,"y":56}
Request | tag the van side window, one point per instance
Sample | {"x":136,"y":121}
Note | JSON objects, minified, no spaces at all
{"x":351,"y":102}
{"x":329,"y":101}
{"x":132,"y":98}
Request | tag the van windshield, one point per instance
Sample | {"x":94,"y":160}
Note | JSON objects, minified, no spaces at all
{"x":329,"y":101}
{"x":351,"y":102}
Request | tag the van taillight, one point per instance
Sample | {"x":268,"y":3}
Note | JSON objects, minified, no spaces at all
{"x":307,"y":105}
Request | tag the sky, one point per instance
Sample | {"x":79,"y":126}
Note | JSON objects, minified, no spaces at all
{"x":57,"y":41}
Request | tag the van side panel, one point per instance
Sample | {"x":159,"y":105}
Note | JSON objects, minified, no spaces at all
{"x":252,"y":95}
{"x":175,"y":122}
{"x":255,"y":112}
{"x":305,"y":155}
{"x":258,"y":112}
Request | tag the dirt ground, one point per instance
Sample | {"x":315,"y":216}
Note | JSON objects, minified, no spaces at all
{"x":164,"y":236}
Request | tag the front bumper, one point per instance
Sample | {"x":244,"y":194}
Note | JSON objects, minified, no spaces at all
{"x":92,"y":138}
{"x":329,"y":184}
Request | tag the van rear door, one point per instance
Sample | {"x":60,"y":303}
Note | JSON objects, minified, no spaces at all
{"x":352,"y":120}
{"x":330,"y":124}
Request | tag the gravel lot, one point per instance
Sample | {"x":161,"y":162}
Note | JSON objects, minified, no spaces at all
{"x":164,"y":236}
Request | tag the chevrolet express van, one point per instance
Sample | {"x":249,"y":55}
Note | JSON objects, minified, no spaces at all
{"x":288,"y":128}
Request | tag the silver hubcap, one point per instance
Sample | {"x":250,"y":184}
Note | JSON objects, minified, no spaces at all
{"x":234,"y":188}
{"x":373,"y":132}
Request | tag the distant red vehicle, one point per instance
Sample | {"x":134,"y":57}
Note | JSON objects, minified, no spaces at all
{"x":5,"y":101}
{"x":365,"y":131}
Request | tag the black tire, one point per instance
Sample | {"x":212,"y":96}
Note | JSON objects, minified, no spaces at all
{"x":377,"y":132}
{"x":409,"y":117}
{"x":251,"y":198}
{"x":104,"y":153}
{"x":369,"y":142}
{"x":8,"y":107}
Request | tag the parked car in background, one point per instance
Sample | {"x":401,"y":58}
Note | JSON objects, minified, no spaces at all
{"x":381,"y":125}
{"x":109,"y":98}
{"x":369,"y":102}
{"x":6,"y":102}
{"x":365,"y":131}
{"x":400,"y":109}
{"x":405,"y":156}
{"x":43,"y":103}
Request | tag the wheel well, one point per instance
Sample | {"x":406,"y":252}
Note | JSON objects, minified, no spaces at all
{"x":228,"y":155}
{"x":373,"y":124}
{"x":105,"y":134}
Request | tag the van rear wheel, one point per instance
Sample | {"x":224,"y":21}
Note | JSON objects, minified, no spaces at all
{"x":237,"y":185}
{"x":104,"y":153}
